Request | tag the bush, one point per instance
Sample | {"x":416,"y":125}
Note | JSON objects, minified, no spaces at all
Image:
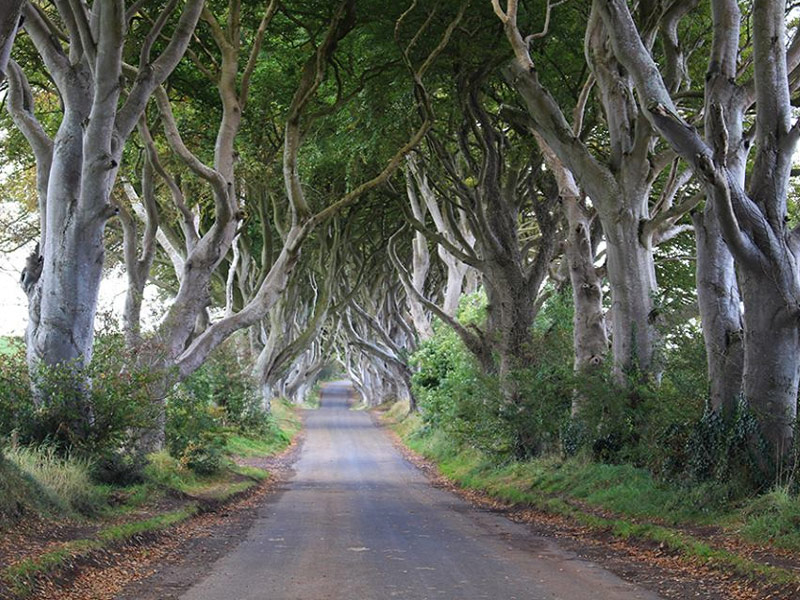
{"x":119,"y":468}
{"x":106,"y":419}
{"x":643,"y":423}
{"x":730,"y":450}
{"x":474,"y":408}
{"x":16,"y":403}
{"x":189,"y":419}
{"x":203,"y":458}
{"x":225,"y":381}
{"x":217,"y":400}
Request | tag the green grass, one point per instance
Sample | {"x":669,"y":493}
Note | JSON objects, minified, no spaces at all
{"x":39,"y":481}
{"x":22,"y":576}
{"x":20,"y":494}
{"x":773,"y":518}
{"x":286,"y":419}
{"x":621,"y":499}
{"x":253,"y":473}
{"x":60,"y":483}
{"x":285,"y":425}
{"x":621,"y":489}
{"x":167,"y":473}
{"x":249,"y":447}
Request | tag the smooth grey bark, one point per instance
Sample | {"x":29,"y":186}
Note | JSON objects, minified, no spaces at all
{"x":717,"y":287}
{"x":457,"y":270}
{"x":386,"y":358}
{"x":589,"y":335}
{"x":513,"y":269}
{"x":10,"y":12}
{"x":718,"y":300}
{"x":77,"y":169}
{"x":189,"y":353}
{"x":420,"y":262}
{"x":589,"y":329}
{"x":753,"y":222}
{"x":296,"y":323}
{"x":138,"y":258}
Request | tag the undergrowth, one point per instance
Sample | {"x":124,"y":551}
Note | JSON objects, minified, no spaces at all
{"x":628,"y":500}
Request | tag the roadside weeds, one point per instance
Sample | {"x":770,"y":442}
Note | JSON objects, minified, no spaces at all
{"x":712,"y":562}
{"x":67,"y":557}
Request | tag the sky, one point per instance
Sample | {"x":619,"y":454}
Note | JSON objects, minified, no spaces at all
{"x":13,"y":303}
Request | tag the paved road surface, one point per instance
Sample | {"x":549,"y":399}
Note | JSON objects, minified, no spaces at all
{"x":357,"y":522}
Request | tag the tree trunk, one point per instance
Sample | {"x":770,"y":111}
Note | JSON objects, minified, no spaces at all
{"x":771,"y":348}
{"x":720,"y":312}
{"x":589,"y":335}
{"x":10,"y":11}
{"x":754,"y":223}
{"x":420,"y":264}
{"x":631,"y":272}
{"x":80,"y":166}
{"x":63,"y":303}
{"x":510,"y":316}
{"x":456,"y":270}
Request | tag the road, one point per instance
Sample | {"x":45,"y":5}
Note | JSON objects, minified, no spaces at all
{"x":356,"y":521}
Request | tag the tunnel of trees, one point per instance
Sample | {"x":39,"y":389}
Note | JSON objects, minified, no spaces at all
{"x":552,"y":227}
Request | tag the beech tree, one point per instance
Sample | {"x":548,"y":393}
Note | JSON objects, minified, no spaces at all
{"x":619,"y":177}
{"x":103,"y":99}
{"x":511,"y":216}
{"x":449,"y":222}
{"x":753,"y":221}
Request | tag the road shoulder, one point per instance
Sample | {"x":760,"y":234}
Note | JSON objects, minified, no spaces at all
{"x":652,"y":566}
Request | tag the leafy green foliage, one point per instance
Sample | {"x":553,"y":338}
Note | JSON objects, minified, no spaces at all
{"x":654,"y":425}
{"x":218,"y":400}
{"x":117,"y":407}
{"x":471,"y":406}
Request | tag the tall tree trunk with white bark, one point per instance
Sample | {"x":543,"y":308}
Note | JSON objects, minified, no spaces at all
{"x":753,"y":222}
{"x":77,"y":169}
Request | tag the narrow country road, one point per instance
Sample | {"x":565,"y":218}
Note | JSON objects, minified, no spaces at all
{"x":358,"y":522}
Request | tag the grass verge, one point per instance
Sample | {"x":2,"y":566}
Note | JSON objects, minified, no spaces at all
{"x":38,"y":483}
{"x":21,"y":578}
{"x":621,"y":500}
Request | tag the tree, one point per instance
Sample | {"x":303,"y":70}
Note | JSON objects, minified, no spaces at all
{"x":102,"y":99}
{"x":509,"y":205}
{"x":753,"y":222}
{"x":619,"y":177}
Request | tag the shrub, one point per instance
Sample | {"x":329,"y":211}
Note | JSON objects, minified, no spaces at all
{"x":731,"y":450}
{"x":644,"y":422}
{"x":474,"y":407}
{"x":225,"y":381}
{"x":16,"y":403}
{"x":189,"y":418}
{"x":104,"y":420}
{"x":116,"y":467}
{"x":204,"y":457}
